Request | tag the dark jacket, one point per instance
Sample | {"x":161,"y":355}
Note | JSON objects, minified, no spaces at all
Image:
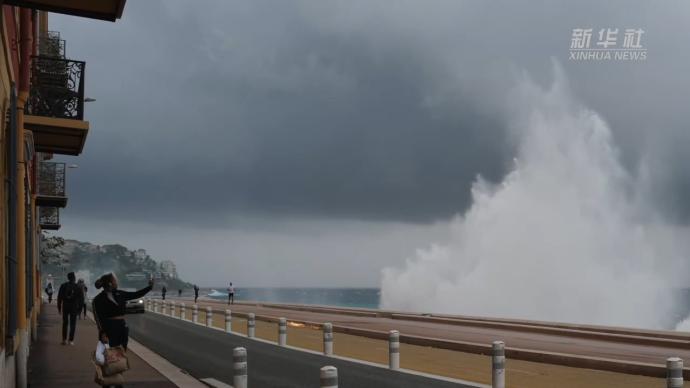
{"x":70,"y":297}
{"x":104,"y":308}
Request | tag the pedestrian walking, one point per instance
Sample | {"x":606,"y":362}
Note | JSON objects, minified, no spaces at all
{"x":49,"y":292}
{"x":231,"y":294}
{"x":196,"y":293}
{"x":109,"y":308}
{"x":179,"y":293}
{"x":86,"y":289}
{"x":82,"y":309}
{"x":163,"y":291}
{"x":70,"y":300}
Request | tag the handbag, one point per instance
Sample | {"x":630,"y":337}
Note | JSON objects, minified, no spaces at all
{"x":115,"y":361}
{"x":116,"y":379}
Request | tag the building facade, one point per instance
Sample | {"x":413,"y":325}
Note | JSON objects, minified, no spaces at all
{"x":168,"y":269}
{"x":42,"y":100}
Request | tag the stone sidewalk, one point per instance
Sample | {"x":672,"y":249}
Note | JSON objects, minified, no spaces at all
{"x":54,"y":365}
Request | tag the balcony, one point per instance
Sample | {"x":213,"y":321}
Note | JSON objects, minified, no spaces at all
{"x":110,"y":10}
{"x":55,"y":108}
{"x":51,"y":185}
{"x":49,"y":218}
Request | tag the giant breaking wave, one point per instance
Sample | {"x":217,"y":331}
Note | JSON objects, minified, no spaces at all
{"x":568,"y":235}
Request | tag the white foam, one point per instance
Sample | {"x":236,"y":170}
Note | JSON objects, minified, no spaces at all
{"x":566,"y":236}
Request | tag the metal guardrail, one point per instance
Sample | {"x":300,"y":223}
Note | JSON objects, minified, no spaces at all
{"x":57,"y":88}
{"x":51,"y":179}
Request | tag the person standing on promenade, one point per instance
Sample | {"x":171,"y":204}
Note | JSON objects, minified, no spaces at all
{"x":179,"y":293}
{"x":231,"y":294}
{"x":49,"y":291}
{"x":196,"y":293}
{"x":163,"y":291}
{"x":70,"y":300}
{"x":82,"y":308}
{"x":109,"y":308}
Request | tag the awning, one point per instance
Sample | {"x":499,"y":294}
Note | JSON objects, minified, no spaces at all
{"x":110,"y":10}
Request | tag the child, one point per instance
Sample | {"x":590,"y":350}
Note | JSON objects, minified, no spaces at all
{"x":100,"y":357}
{"x":101,"y":347}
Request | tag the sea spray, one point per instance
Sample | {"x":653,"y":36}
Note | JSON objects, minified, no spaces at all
{"x":566,"y":236}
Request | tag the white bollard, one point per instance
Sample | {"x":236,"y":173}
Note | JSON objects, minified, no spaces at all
{"x":329,"y":377}
{"x":183,"y":311}
{"x":164,"y":311}
{"x":155,"y":306}
{"x":394,"y":350}
{"x":209,"y":317}
{"x":674,"y":372}
{"x":239,"y":368}
{"x":327,"y":339}
{"x":195,"y":314}
{"x":498,"y":365}
{"x":228,"y":321}
{"x":282,"y":331}
{"x":251,"y":325}
{"x":172,"y":308}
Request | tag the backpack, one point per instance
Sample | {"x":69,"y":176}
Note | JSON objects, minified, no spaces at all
{"x":70,"y":293}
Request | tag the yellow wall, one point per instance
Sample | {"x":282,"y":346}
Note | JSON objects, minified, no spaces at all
{"x":5,"y":77}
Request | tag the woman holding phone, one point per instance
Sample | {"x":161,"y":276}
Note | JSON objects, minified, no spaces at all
{"x":109,"y":308}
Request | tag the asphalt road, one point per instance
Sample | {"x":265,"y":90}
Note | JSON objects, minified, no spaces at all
{"x":204,"y":353}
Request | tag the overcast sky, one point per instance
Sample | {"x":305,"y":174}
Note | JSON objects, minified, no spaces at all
{"x":313,"y":142}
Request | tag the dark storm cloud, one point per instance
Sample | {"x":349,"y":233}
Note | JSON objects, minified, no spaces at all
{"x":371,"y":110}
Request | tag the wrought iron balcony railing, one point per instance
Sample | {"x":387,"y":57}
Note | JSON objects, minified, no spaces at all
{"x":51,"y":184}
{"x":51,"y":45}
{"x":49,"y":218}
{"x":57,"y":88}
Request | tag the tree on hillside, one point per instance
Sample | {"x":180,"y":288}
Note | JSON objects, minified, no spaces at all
{"x":51,"y":252}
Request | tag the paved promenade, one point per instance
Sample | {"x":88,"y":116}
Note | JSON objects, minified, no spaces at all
{"x":54,"y":365}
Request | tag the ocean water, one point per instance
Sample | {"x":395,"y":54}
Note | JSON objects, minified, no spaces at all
{"x":371,"y":298}
{"x":343,"y":297}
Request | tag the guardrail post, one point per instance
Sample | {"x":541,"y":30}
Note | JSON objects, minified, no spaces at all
{"x":394,"y":349}
{"x":328,"y":339}
{"x":172,"y":308}
{"x":195,"y":314}
{"x":282,"y":331}
{"x":329,"y":377}
{"x":239,"y":368}
{"x":209,"y":317}
{"x":498,"y":365}
{"x":674,"y":372}
{"x":155,"y":306}
{"x":251,"y":325}
{"x":164,"y":309}
{"x":183,"y":311}
{"x":228,"y":321}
